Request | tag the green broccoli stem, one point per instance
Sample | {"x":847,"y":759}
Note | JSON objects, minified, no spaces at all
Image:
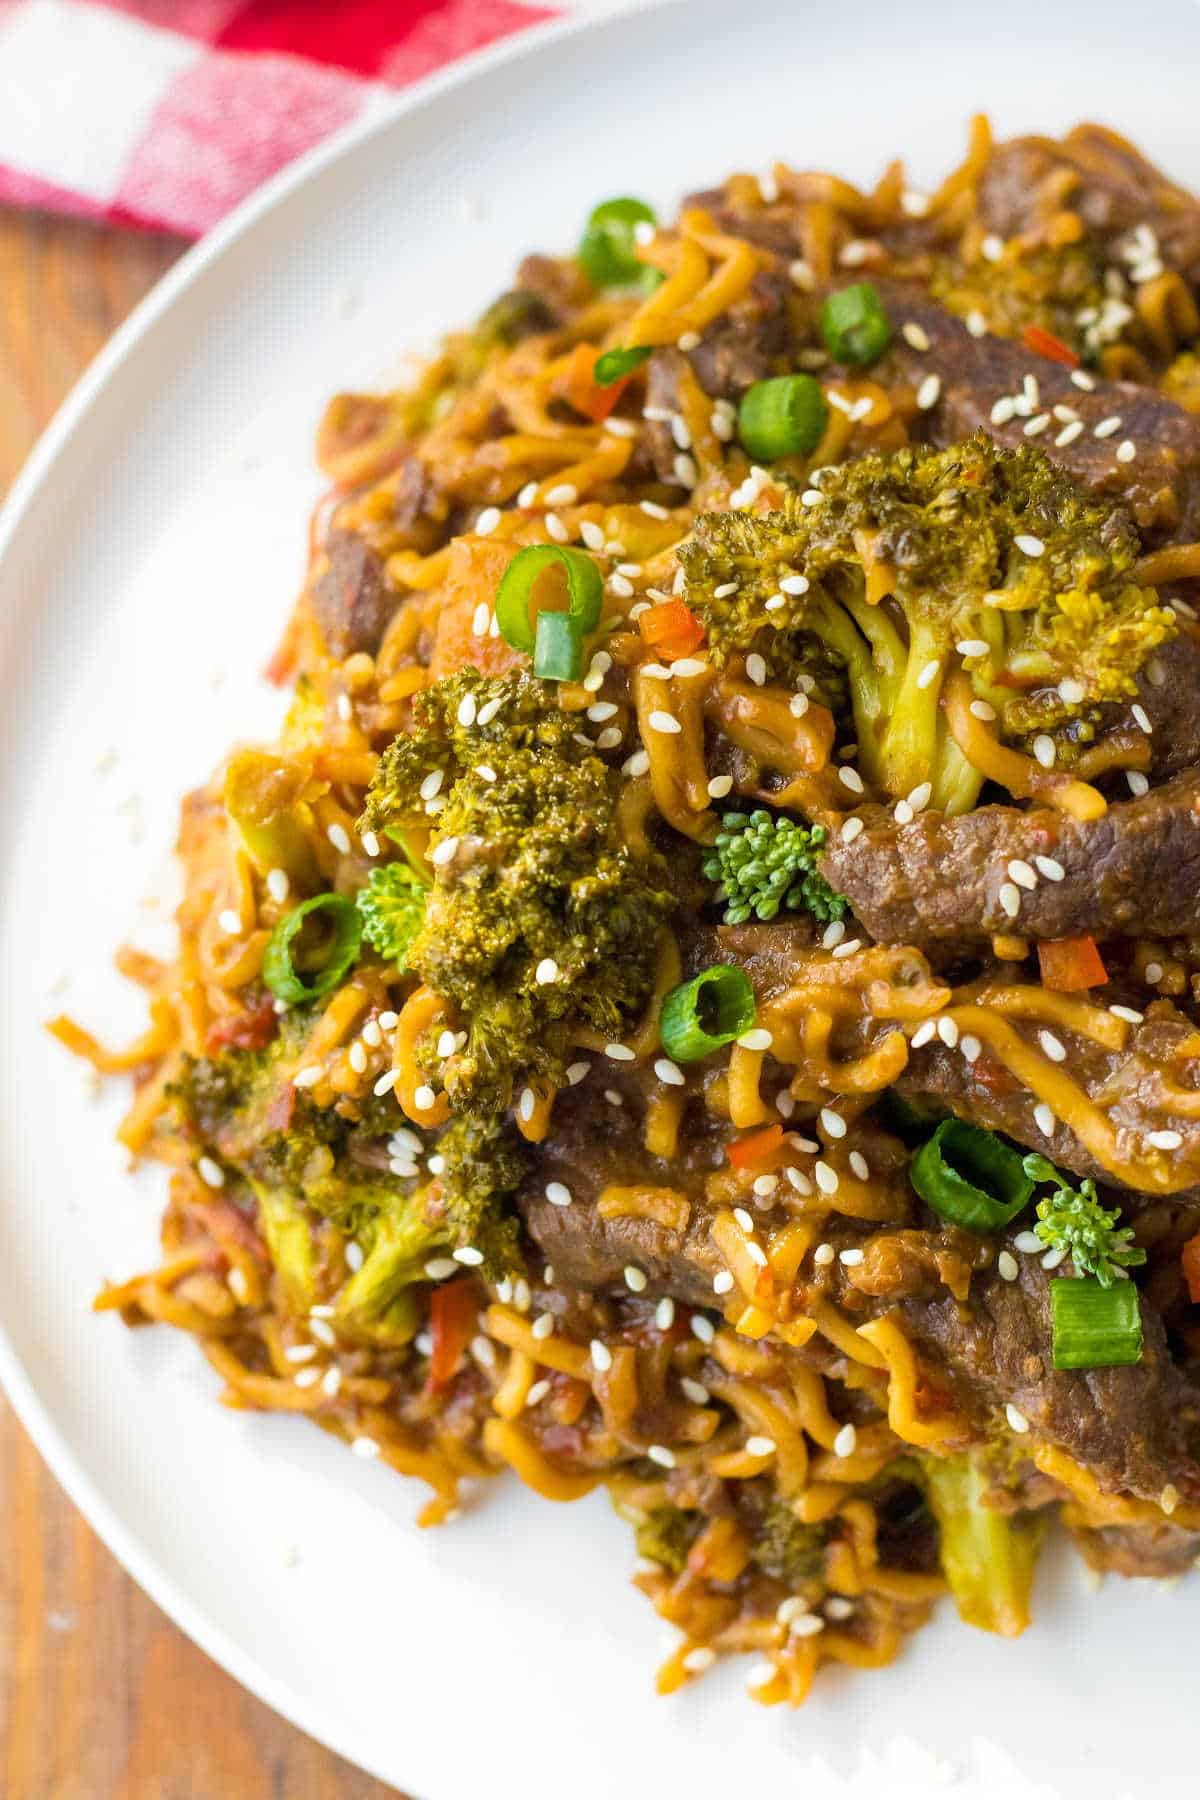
{"x":907,"y":755}
{"x":378,"y":1301}
{"x":988,"y":1556}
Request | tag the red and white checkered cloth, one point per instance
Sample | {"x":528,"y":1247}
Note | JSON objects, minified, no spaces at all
{"x":168,"y":112}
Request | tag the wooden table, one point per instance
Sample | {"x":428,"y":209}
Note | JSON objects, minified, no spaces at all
{"x":100,"y":1697}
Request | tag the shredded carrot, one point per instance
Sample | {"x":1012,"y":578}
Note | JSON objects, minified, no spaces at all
{"x":577,"y":385}
{"x":452,"y":1310}
{"x":671,"y":627}
{"x":1069,"y":964}
{"x":759,"y":1147}
{"x":1044,"y":343}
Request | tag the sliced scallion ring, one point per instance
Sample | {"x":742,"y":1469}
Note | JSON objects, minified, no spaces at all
{"x":614,"y":365}
{"x":970,"y":1177}
{"x":332,"y":961}
{"x":585,"y":591}
{"x":784,"y":416}
{"x":1095,"y":1327}
{"x":702,"y":1015}
{"x":854,"y":324}
{"x":608,"y":247}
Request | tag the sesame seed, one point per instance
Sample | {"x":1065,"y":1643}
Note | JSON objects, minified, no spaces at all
{"x":591,"y":534}
{"x":850,"y":778}
{"x":1052,"y":1258}
{"x":1050,"y":867}
{"x":613,"y":1098}
{"x":948,"y":1032}
{"x":601,"y":1356}
{"x":920,"y":796}
{"x":757,"y":1038}
{"x":278,"y":885}
{"x":664,"y":722}
{"x":915,"y":334}
{"x":929,"y":392}
{"x":445,"y":852}
{"x":1032,"y":546}
{"x":622,"y":588}
{"x":798,"y":1179}
{"x":929,"y":673}
{"x":833,"y":1122}
{"x":973,"y":647}
{"x":1165,"y":1140}
{"x":1126,"y":451}
{"x":811,"y":497}
{"x":1071,"y":691}
{"x":827,"y":1178}
{"x":904,"y":813}
{"x":638,"y":763}
{"x":719,"y":786}
{"x":1153,"y":973}
{"x":980,"y":708}
{"x":1010,"y":899}
{"x":546,"y":971}
{"x":1022,"y":874}
{"x":765,"y":1185}
{"x":306,"y":1078}
{"x":846,"y":1441}
{"x":543,"y":1326}
{"x":1016,"y":1419}
{"x":323,"y":1332}
{"x":635,"y":1280}
{"x":562,"y":495}
{"x":743,"y":1218}
{"x":1044,"y":1119}
{"x":823,"y":1255}
{"x":680,"y":432}
{"x":527,"y":1104}
{"x":1128,"y":1014}
{"x":992,"y":247}
{"x":756,"y":668}
{"x":664,"y":1318}
{"x":1069,"y":433}
{"x":1106,"y":427}
{"x":1003,"y":410}
{"x":760,"y":1446}
{"x":669,"y":1072}
{"x":924,"y":1034}
{"x":1138,"y":784}
{"x":229,"y":921}
{"x":1052,"y":1046}
{"x":658,"y":1453}
{"x":558,"y":1194}
{"x":619,"y":1053}
{"x":971,"y":1048}
{"x":1083,"y":380}
{"x":1006,"y":1266}
{"x":1028,"y":1243}
{"x":424,"y":1098}
{"x":703,"y":1328}
{"x":556,"y":529}
{"x":1045,"y":750}
{"x":851,"y":1258}
{"x":684,"y":470}
{"x":1169,"y":1498}
{"x":358,"y":1058}
{"x":852,"y":828}
{"x":431,"y":784}
{"x":653,"y":510}
{"x":388,"y":1021}
{"x":440,"y":1267}
{"x":722,"y":1282}
{"x":1037,"y":425}
{"x":364,"y":1446}
{"x":300,"y":1353}
{"x":1141,"y":718}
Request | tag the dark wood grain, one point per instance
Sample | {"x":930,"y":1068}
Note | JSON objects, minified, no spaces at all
{"x":101,"y":1698}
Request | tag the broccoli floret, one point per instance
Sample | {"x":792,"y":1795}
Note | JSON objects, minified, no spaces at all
{"x":766,"y":862}
{"x":484,"y":1161}
{"x":541,"y":920}
{"x":1047,"y":286}
{"x":907,"y":557}
{"x":667,"y":1534}
{"x":1077,"y":1221}
{"x":392,"y":909}
{"x":988,"y":1555}
{"x":787,"y":1548}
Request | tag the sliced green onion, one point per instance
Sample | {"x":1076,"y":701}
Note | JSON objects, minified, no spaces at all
{"x":608,"y":247}
{"x":329,"y":964}
{"x":701,"y":1015}
{"x":614,"y":365}
{"x":1095,"y":1327}
{"x":854,"y":324}
{"x":585,"y":591}
{"x":970,"y":1177}
{"x":558,"y":647}
{"x":782,"y":417}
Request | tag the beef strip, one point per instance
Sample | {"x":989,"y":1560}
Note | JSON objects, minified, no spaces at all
{"x":350,"y":596}
{"x":1125,"y":1083}
{"x":1161,"y":486}
{"x":1155,"y":1551}
{"x":1134,"y":1428}
{"x":938,"y":879}
{"x":1114,"y":189}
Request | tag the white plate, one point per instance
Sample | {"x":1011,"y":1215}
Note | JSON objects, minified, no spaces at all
{"x":148,"y":559}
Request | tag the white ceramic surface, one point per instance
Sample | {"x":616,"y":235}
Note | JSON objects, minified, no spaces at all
{"x":147,"y":561}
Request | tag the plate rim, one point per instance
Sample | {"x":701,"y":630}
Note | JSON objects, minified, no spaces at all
{"x":305,"y":1714}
